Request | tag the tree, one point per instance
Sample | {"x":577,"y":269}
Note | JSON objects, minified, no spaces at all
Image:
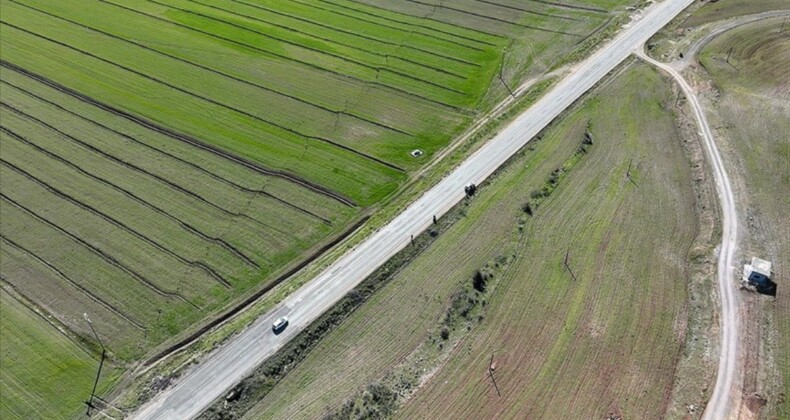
{"x":479,"y":281}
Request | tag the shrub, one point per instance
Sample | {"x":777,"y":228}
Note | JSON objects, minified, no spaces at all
{"x":445,"y":333}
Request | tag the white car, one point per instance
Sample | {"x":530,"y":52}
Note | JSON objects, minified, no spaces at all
{"x":280,"y":324}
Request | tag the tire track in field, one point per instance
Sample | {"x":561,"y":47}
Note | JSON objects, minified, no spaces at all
{"x":207,"y":99}
{"x":138,"y":169}
{"x":360,"y":35}
{"x":105,"y":256}
{"x":220,"y":178}
{"x":531,"y":12}
{"x":479,"y":15}
{"x":117,"y":223}
{"x":386,"y":57}
{"x":74,"y":284}
{"x":184,"y":138}
{"x":375,"y":68}
{"x":215,"y":71}
{"x":292,"y":59}
{"x":184,"y":225}
{"x":390,"y":19}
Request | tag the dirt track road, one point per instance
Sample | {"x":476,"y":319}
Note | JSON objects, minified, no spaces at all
{"x":213,"y":377}
{"x":726,"y":398}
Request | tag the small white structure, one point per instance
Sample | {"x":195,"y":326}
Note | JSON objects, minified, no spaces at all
{"x":416,"y":153}
{"x":757,"y":273}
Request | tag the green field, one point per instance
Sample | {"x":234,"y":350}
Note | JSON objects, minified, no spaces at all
{"x":603,"y":340}
{"x":42,"y":363}
{"x":753,"y":109}
{"x":163,"y":159}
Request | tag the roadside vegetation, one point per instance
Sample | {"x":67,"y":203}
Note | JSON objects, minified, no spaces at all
{"x":596,"y":337}
{"x":747,"y":66}
{"x":164,"y":159}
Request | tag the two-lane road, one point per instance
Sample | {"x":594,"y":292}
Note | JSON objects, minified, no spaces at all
{"x":212,"y":378}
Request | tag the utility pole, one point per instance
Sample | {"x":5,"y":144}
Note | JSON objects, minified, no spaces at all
{"x":567,"y":254}
{"x":89,"y":403}
{"x":628,"y":173}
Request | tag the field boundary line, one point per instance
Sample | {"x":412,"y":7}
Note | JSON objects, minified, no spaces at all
{"x":186,"y":226}
{"x":185,"y":138}
{"x":76,"y":285}
{"x":107,"y":257}
{"x":209,"y":100}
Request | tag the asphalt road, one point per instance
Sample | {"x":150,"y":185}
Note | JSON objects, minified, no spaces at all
{"x":212,"y":378}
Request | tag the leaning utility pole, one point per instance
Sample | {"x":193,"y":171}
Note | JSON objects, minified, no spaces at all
{"x":491,"y":368}
{"x":89,"y":403}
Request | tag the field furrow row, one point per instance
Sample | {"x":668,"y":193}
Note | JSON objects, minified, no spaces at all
{"x":313,"y":59}
{"x":356,"y":9}
{"x":281,"y":131}
{"x":169,"y":229}
{"x":312,"y":107}
{"x":82,"y":289}
{"x":282,"y":145}
{"x":178,"y":188}
{"x":171,"y":134}
{"x":31,"y":228}
{"x":371,"y":57}
{"x":498,"y":19}
{"x":347,"y":59}
{"x":185,"y":225}
{"x":171,"y":261}
{"x":355,"y":28}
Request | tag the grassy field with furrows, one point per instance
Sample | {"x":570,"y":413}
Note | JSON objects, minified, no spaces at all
{"x":172,"y":230}
{"x":337,"y":92}
{"x":161,"y":160}
{"x":748,"y":66}
{"x":600,"y":340}
{"x":724,"y":9}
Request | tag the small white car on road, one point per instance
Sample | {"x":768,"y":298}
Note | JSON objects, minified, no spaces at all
{"x":280,"y":324}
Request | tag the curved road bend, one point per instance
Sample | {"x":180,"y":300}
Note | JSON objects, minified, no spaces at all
{"x":726,"y":398}
{"x":228,"y":365}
